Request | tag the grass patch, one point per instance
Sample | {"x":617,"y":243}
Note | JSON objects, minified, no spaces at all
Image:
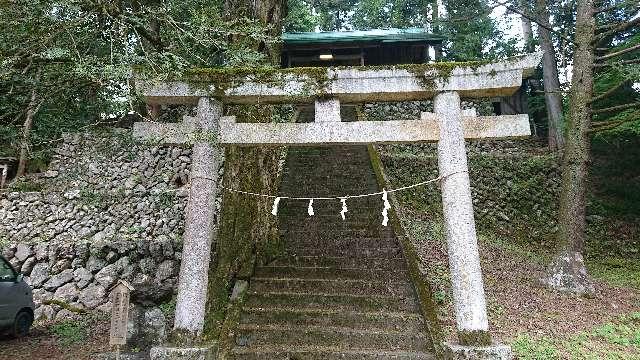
{"x":616,"y":340}
{"x":537,"y":255}
{"x":168,"y":308}
{"x":70,"y":332}
{"x":24,"y":185}
{"x":528,"y":348}
{"x":616,"y":271}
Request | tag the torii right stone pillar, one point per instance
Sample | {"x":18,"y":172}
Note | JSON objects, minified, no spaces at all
{"x":474,"y":340}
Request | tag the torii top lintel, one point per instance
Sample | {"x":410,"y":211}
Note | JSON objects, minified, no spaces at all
{"x":347,"y":84}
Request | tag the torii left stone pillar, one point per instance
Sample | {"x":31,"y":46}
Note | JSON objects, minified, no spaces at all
{"x":199,"y":229}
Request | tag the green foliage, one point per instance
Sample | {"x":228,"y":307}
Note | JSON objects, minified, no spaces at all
{"x":471,"y":33}
{"x":616,"y":176}
{"x":382,"y":14}
{"x":71,"y":60}
{"x":299,"y":17}
{"x":92,"y":197}
{"x":25,"y":185}
{"x":70,"y":332}
{"x":168,"y":308}
{"x":619,"y":339}
{"x":527,"y":348}
{"x":166,"y":199}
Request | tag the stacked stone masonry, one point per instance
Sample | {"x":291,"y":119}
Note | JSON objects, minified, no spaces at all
{"x":108,"y":209}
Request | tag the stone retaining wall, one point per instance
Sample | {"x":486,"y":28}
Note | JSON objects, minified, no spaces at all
{"x":107,"y":209}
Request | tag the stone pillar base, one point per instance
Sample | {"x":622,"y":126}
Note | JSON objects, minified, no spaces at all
{"x":491,"y":352}
{"x":183,"y":353}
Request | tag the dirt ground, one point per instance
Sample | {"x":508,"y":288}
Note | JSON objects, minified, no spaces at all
{"x":49,"y":342}
{"x":517,"y":302}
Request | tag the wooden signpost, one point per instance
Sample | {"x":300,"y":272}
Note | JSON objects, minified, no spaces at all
{"x":119,"y":314}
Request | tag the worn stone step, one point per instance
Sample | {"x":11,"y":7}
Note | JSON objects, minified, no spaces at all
{"x":331,"y":287}
{"x":291,"y":272}
{"x":332,"y":302}
{"x":349,"y":250}
{"x":337,"y":234}
{"x":327,"y":318}
{"x":317,"y":353}
{"x":342,"y":242}
{"x":332,"y":229}
{"x":347,"y":262}
{"x":349,"y":339}
{"x":333,"y":252}
{"x":299,"y":216}
{"x":325,"y":230}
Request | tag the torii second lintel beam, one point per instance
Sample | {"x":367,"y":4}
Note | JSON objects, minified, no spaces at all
{"x":319,"y":133}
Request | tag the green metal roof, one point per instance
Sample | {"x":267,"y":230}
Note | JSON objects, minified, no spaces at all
{"x":386,"y":35}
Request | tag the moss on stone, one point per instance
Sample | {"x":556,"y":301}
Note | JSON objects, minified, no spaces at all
{"x":425,"y":294}
{"x":474,"y":338}
{"x":316,"y":80}
{"x":247,"y":233}
{"x":64,"y":305}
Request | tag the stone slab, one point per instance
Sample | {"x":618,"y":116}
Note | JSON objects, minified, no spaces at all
{"x":327,"y":110}
{"x":492,"y":352}
{"x":122,"y":356}
{"x":186,"y":353}
{"x":351,"y":85}
{"x":367,"y":132}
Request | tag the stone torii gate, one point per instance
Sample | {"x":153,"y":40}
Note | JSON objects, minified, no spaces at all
{"x":328,"y":87}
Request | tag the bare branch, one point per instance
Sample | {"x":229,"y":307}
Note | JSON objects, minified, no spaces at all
{"x":609,"y":125}
{"x":617,"y":63}
{"x":609,"y":92}
{"x":619,"y":28}
{"x":616,"y":108}
{"x":618,"y":53}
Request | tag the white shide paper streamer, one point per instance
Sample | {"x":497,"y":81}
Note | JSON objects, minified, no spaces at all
{"x":310,"y":208}
{"x":387,"y":206}
{"x":344,"y":207}
{"x":274,"y":209}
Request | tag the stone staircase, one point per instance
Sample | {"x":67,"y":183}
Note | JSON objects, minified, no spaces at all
{"x":343,"y":289}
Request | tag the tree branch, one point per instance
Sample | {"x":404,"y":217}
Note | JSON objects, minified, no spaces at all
{"x":619,"y":28}
{"x":623,"y":62}
{"x":532,"y":18}
{"x":616,"y":108}
{"x":618,"y":6}
{"x":618,"y":53}
{"x":608,"y":125}
{"x":609,"y":92}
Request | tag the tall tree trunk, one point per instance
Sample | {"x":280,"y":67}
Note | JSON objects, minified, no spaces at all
{"x":32,"y":109}
{"x":552,"y":95}
{"x":567,"y":271}
{"x":527,"y":32}
{"x":247,"y":233}
{"x":435,"y":18}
